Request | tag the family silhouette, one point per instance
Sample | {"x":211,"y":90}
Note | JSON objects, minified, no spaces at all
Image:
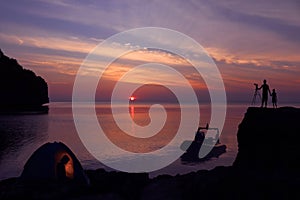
{"x":265,"y":93}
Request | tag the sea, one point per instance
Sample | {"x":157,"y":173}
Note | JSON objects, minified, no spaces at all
{"x":21,"y":135}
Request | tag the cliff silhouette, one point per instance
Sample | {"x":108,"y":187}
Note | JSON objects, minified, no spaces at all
{"x":20,"y":88}
{"x":268,"y":139}
{"x":266,"y":167}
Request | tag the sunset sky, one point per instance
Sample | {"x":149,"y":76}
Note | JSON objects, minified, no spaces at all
{"x":249,"y":41}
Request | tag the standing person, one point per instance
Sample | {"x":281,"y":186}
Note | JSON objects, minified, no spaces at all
{"x":274,"y":98}
{"x":265,"y":89}
{"x":200,"y":136}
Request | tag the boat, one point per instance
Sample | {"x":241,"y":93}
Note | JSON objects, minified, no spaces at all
{"x":192,"y":148}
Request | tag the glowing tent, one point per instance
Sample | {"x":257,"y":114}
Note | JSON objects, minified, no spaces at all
{"x":45,"y":164}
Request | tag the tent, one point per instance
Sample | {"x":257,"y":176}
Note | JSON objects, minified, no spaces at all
{"x":43,"y":164}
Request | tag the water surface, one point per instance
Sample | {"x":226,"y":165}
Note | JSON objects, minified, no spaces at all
{"x":21,"y":135}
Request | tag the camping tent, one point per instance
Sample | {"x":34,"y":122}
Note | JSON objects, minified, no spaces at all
{"x":43,"y":164}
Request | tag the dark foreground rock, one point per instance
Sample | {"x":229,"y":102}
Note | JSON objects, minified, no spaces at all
{"x":269,"y":139}
{"x":266,"y":167}
{"x":20,"y":89}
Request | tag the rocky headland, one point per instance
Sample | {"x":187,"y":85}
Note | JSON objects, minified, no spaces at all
{"x":21,"y":89}
{"x":266,"y":167}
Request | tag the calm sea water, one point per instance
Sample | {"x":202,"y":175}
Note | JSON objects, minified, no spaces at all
{"x":21,"y":135}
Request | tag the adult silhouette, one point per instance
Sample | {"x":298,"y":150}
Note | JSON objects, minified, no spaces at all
{"x":265,"y":90}
{"x":200,"y":136}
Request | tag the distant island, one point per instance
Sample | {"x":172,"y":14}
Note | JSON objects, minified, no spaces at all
{"x":21,"y":89}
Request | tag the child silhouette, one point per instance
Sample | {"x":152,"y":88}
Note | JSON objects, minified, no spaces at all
{"x":274,"y":98}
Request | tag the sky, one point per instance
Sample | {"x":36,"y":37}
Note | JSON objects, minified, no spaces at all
{"x":248,"y":40}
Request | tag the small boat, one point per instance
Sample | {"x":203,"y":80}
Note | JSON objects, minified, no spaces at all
{"x":192,"y":148}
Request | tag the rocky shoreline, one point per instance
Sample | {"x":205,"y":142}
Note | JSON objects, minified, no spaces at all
{"x":266,"y":167}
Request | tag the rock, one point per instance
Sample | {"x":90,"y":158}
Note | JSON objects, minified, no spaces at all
{"x":126,"y":185}
{"x":268,"y":139}
{"x":20,"y":88}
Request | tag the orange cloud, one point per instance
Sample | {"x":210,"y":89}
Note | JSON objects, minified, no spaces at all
{"x":55,"y":43}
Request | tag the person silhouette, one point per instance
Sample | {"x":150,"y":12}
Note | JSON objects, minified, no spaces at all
{"x":274,"y":98}
{"x":199,"y":137}
{"x":61,"y":168}
{"x":265,"y":89}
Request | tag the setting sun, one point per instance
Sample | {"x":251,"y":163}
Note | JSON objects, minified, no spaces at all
{"x":132,"y":98}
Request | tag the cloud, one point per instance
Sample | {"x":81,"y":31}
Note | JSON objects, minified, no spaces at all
{"x":238,"y":28}
{"x":248,"y":40}
{"x":272,"y":22}
{"x":66,"y":44}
